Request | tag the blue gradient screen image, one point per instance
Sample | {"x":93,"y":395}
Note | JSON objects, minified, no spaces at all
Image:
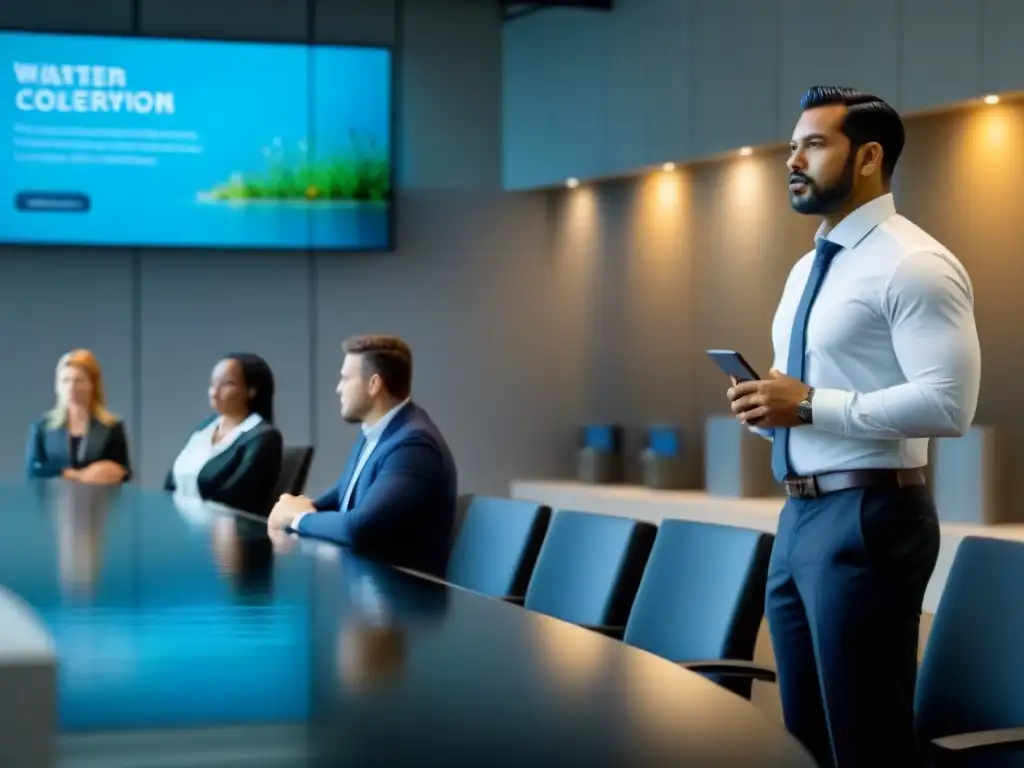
{"x":154,"y":142}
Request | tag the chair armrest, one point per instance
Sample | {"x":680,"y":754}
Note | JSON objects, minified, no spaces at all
{"x":730,"y":668}
{"x":961,"y":745}
{"x":614,"y":632}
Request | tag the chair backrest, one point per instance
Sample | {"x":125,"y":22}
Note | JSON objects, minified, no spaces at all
{"x":462,"y":504}
{"x":295,"y":463}
{"x":972,"y":674}
{"x":702,"y":594}
{"x":589,"y":567}
{"x":497,"y":546}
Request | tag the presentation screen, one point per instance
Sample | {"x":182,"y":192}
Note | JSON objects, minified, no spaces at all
{"x":130,"y":141}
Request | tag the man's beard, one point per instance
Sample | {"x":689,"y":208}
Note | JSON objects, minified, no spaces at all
{"x":819,"y":201}
{"x":355,"y":416}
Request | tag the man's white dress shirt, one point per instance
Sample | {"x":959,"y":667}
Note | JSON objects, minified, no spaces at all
{"x":892,"y":347}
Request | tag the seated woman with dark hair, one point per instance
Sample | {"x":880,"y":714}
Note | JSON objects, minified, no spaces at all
{"x":234,"y":456}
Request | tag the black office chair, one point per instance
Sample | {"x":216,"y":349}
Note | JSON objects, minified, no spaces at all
{"x":970,"y":689}
{"x":589,"y":568}
{"x":497,"y":546}
{"x":701,"y":600}
{"x":295,"y":463}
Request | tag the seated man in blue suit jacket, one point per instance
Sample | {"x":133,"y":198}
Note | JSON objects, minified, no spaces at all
{"x":396,"y":499}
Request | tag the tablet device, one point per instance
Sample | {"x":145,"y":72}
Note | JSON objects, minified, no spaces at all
{"x":732,"y":364}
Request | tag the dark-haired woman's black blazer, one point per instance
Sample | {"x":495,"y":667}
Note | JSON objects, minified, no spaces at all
{"x":244,"y":475}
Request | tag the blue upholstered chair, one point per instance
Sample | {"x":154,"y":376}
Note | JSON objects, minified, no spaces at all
{"x":589,"y":568}
{"x":497,"y":546}
{"x":701,"y":600}
{"x":970,"y":688}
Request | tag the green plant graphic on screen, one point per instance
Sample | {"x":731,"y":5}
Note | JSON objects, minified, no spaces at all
{"x":361,"y":175}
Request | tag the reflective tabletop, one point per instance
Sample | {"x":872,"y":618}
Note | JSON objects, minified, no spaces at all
{"x":186,"y":636}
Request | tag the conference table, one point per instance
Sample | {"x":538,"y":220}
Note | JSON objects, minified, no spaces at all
{"x":186,"y":635}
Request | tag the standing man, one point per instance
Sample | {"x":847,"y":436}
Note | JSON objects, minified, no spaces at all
{"x":396,"y":498}
{"x":876,"y":351}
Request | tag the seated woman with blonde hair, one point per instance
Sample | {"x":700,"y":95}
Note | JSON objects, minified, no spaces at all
{"x":79,"y":439}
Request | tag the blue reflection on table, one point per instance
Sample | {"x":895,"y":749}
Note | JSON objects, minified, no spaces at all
{"x":167,"y":613}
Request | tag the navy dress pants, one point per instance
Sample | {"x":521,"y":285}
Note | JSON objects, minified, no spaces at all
{"x":845,"y":586}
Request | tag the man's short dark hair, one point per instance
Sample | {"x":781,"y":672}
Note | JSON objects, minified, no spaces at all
{"x":868,"y":118}
{"x":387,"y":356}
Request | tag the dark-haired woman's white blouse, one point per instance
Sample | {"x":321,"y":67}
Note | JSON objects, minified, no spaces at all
{"x":200,"y":448}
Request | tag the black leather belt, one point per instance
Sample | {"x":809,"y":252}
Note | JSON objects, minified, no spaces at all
{"x":812,"y":486}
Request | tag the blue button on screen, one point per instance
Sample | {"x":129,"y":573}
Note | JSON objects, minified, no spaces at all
{"x":52,"y":202}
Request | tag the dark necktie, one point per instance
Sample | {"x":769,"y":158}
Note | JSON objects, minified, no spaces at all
{"x":823,"y":257}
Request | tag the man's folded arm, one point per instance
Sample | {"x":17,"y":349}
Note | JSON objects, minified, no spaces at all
{"x":329,"y":500}
{"x":408,"y":474}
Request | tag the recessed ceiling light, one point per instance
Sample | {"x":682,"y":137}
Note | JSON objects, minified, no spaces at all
{"x":746,"y":151}
{"x":991,"y":99}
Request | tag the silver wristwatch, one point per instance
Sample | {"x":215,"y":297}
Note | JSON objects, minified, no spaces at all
{"x":804,"y":412}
